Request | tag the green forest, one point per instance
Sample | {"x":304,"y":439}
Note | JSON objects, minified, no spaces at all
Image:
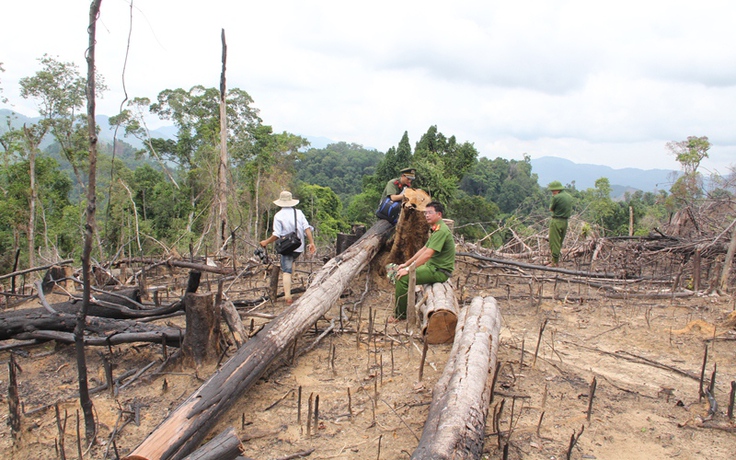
{"x":162,"y":199}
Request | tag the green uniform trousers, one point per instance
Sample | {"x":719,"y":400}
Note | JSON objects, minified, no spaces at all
{"x":426,"y":274}
{"x":557,"y":231}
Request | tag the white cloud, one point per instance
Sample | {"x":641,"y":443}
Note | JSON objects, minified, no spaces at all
{"x":606,"y":83}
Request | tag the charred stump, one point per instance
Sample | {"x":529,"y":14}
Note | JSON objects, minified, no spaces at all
{"x":202,"y":336}
{"x":412,"y":232}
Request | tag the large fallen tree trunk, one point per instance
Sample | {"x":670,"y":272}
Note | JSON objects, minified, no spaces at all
{"x":456,"y":422}
{"x":188,"y":424}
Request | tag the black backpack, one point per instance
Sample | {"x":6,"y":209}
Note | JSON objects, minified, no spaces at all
{"x":389,"y":210}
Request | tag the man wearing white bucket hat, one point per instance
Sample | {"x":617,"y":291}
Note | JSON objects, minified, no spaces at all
{"x":287,"y":220}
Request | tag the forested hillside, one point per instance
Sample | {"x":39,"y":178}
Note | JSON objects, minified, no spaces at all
{"x":163,"y":196}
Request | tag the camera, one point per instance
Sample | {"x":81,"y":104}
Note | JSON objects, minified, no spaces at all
{"x":261,"y":254}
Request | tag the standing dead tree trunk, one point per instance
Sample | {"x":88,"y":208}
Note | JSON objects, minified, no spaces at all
{"x":89,"y":229}
{"x":188,"y":424}
{"x":457,"y":416}
{"x":729,"y":260}
{"x":223,"y":167}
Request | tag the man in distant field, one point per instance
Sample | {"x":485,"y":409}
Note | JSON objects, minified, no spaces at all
{"x":434,"y":262}
{"x":561,"y":208}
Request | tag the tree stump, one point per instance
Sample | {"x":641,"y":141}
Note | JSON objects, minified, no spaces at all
{"x":412,"y":229}
{"x":202,"y":337}
{"x":60,"y":275}
{"x":439,"y":313}
{"x":455,"y":425}
{"x":273,"y":281}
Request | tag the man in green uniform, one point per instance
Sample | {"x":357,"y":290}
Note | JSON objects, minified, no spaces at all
{"x":561,"y":208}
{"x":434,"y":262}
{"x":390,"y":206}
{"x":394,"y":187}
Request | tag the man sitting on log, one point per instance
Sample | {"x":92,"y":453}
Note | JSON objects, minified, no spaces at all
{"x":434,"y":262}
{"x":393,"y":194}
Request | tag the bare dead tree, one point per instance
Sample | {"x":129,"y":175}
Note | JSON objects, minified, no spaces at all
{"x":223,"y":165}
{"x":89,"y":227}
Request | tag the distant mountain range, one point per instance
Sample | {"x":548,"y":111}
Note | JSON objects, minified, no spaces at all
{"x":107,"y":132}
{"x":583,"y":176}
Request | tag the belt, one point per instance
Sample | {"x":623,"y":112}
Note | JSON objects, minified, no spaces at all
{"x":558,"y":217}
{"x":446,"y":272}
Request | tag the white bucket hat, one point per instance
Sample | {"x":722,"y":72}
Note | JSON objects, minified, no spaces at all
{"x":286,"y":200}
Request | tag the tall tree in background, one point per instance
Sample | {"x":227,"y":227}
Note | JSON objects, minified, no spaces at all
{"x":196,"y":116}
{"x":59,"y":90}
{"x":441,"y":163}
{"x":24,"y":144}
{"x":689,"y":153}
{"x":395,"y":160}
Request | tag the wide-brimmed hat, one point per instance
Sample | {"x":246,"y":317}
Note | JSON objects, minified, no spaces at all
{"x":409,"y":172}
{"x":555,"y":185}
{"x":286,"y":200}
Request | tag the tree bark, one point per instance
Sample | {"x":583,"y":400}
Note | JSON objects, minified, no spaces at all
{"x":202,"y":336}
{"x":224,"y":446}
{"x":14,"y":417}
{"x":456,"y":422}
{"x":439,"y":313}
{"x":224,"y":160}
{"x":729,"y":260}
{"x":89,"y":228}
{"x":188,"y":424}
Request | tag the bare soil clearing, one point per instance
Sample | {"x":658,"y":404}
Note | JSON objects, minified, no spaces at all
{"x":372,"y":405}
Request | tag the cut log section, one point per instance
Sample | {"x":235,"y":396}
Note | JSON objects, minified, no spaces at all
{"x":439,"y":313}
{"x":224,"y":446}
{"x":456,"y":422}
{"x":186,"y":426}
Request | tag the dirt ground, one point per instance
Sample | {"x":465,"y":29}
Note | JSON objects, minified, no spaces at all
{"x":645,"y":354}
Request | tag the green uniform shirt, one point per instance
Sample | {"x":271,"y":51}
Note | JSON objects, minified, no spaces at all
{"x":561,"y":205}
{"x":393,"y":187}
{"x":443,"y":244}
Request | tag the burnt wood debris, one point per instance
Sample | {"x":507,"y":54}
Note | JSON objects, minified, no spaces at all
{"x":126,"y":304}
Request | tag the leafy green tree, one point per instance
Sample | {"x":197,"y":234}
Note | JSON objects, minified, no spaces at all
{"x":362,"y":207}
{"x":53,"y":188}
{"x":600,"y":209}
{"x":508,"y":183}
{"x":394,"y":161}
{"x":323,"y":210}
{"x":195,"y":113}
{"x":689,"y":154}
{"x":266,"y":166}
{"x":339,"y":166}
{"x":475,"y":218}
{"x":60,"y":93}
{"x":441,"y":163}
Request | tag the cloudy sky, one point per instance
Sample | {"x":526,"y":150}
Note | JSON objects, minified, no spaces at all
{"x":594,"y":82}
